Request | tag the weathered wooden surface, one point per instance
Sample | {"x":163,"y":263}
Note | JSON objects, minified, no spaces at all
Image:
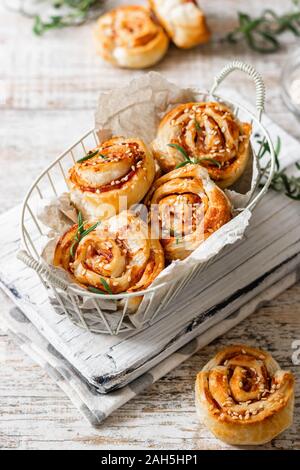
{"x":48,"y":88}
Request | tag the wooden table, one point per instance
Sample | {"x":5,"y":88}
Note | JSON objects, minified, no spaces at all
{"x":48,"y":91}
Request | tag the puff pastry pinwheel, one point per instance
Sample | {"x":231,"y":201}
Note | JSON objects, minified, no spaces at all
{"x":183,"y":20}
{"x":207,"y":132}
{"x":111,"y":178}
{"x":111,"y":257}
{"x":128,"y":36}
{"x":244,"y":397}
{"x":189,"y":207}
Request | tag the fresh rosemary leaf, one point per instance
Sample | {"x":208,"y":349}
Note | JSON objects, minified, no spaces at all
{"x":88,"y":230}
{"x":80,"y":222}
{"x":261,"y":33}
{"x":281,"y":182}
{"x":88,"y":156}
{"x":180,"y":149}
{"x":197,"y":125}
{"x":105,"y":285}
{"x":72,"y":247}
{"x":81,"y":232}
{"x":180,"y":165}
{"x":277,"y":152}
{"x":95,"y":290}
{"x":75,"y":12}
{"x":210,"y":160}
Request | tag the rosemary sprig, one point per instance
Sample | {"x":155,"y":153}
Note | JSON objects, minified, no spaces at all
{"x":99,"y":291}
{"x":281,"y":182}
{"x":95,"y":290}
{"x":192,"y":160}
{"x":81,"y":232}
{"x":77,"y":12}
{"x":105,"y":285}
{"x":180,"y":149}
{"x":88,"y":156}
{"x":197,"y":125}
{"x":261,"y":33}
{"x":210,"y":160}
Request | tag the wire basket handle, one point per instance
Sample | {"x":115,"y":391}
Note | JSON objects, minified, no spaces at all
{"x":42,"y":269}
{"x":247,"y":68}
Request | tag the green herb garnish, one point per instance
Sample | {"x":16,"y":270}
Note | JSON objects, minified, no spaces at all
{"x":95,"y":290}
{"x":210,"y":160}
{"x":88,"y":156}
{"x":180,"y":165}
{"x":192,"y":160}
{"x":261,"y":33}
{"x":197,"y":125}
{"x":81,"y":232}
{"x":77,"y":12}
{"x":105,"y":285}
{"x":180,"y":149}
{"x":281,"y":182}
{"x":198,"y":161}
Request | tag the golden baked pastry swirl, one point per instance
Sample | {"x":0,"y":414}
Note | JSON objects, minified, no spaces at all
{"x":244,"y":397}
{"x":207,"y":132}
{"x":189,"y":207}
{"x":183,"y":20}
{"x":129,"y":36}
{"x":111,"y":178}
{"x":113,"y":257}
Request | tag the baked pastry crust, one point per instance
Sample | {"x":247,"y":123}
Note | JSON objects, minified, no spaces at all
{"x":183,"y":20}
{"x":209,"y":133}
{"x":188,"y":207}
{"x":128,"y":36}
{"x":118,"y":251}
{"x":116,"y":177}
{"x":244,"y":397}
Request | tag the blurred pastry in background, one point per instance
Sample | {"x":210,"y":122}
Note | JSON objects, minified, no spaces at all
{"x":129,"y":37}
{"x":183,"y":20}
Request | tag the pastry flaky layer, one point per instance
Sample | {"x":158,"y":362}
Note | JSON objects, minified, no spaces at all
{"x":111,"y":178}
{"x":244,"y":397}
{"x":187,"y":207}
{"x":207,"y":132}
{"x":128,"y":36}
{"x":116,"y":256}
{"x":183,"y":20}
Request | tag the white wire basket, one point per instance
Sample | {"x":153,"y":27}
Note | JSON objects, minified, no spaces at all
{"x":69,"y":300}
